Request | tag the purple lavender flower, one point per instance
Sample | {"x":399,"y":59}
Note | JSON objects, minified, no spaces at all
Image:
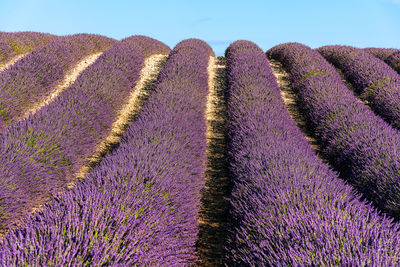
{"x":43,"y":153}
{"x":359,"y":144}
{"x":32,"y":78}
{"x":140,"y":205}
{"x":17,"y":43}
{"x":381,"y":53}
{"x":374,"y":81}
{"x":289,"y":208}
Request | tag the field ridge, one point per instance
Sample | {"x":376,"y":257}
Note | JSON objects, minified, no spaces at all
{"x":290,"y":99}
{"x":127,"y":152}
{"x":137,"y":99}
{"x":11,"y":62}
{"x":68,"y":80}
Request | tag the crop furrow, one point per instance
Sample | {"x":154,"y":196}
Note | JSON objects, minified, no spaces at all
{"x":214,"y":207}
{"x":129,"y":112}
{"x":140,"y":204}
{"x":358,"y":144}
{"x":288,"y":208}
{"x":381,"y":53}
{"x":42,"y":154}
{"x":373,"y":80}
{"x":290,"y":99}
{"x":394,"y":61}
{"x":11,"y":62}
{"x":390,"y":55}
{"x":68,"y":80}
{"x":31,"y":80}
{"x":15,"y":45}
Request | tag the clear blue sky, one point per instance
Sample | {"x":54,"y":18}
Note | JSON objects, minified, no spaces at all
{"x":361,"y":23}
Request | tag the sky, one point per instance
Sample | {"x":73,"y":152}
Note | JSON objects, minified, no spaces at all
{"x":360,"y":23}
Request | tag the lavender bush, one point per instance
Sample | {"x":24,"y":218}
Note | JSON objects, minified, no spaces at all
{"x":288,"y":207}
{"x":359,"y":144}
{"x":394,"y":61}
{"x":147,"y":45}
{"x":31,"y":79}
{"x":381,"y":53}
{"x":373,"y":79}
{"x":140,"y":205}
{"x":42,"y":154}
{"x":17,"y":43}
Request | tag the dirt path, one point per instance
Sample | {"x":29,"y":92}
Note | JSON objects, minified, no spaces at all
{"x":214,"y":209}
{"x":11,"y":62}
{"x":138,"y":97}
{"x":289,"y":98}
{"x":68,"y":80}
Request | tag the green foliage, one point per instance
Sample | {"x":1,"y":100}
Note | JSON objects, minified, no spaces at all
{"x":313,"y":73}
{"x":4,"y":114}
{"x":380,"y":83}
{"x":15,"y":46}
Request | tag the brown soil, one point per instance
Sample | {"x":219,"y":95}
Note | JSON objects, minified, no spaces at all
{"x":214,"y":209}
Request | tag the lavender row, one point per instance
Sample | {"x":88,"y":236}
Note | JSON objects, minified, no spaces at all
{"x":146,"y":45}
{"x":394,"y":61}
{"x":289,"y":208}
{"x":373,"y":79}
{"x":359,"y":144}
{"x":32,"y":78}
{"x":381,"y":53}
{"x":42,"y":154}
{"x":140,"y":204}
{"x":17,"y":43}
{"x":390,"y":55}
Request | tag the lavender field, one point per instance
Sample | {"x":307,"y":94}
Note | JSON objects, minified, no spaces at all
{"x":130,"y":153}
